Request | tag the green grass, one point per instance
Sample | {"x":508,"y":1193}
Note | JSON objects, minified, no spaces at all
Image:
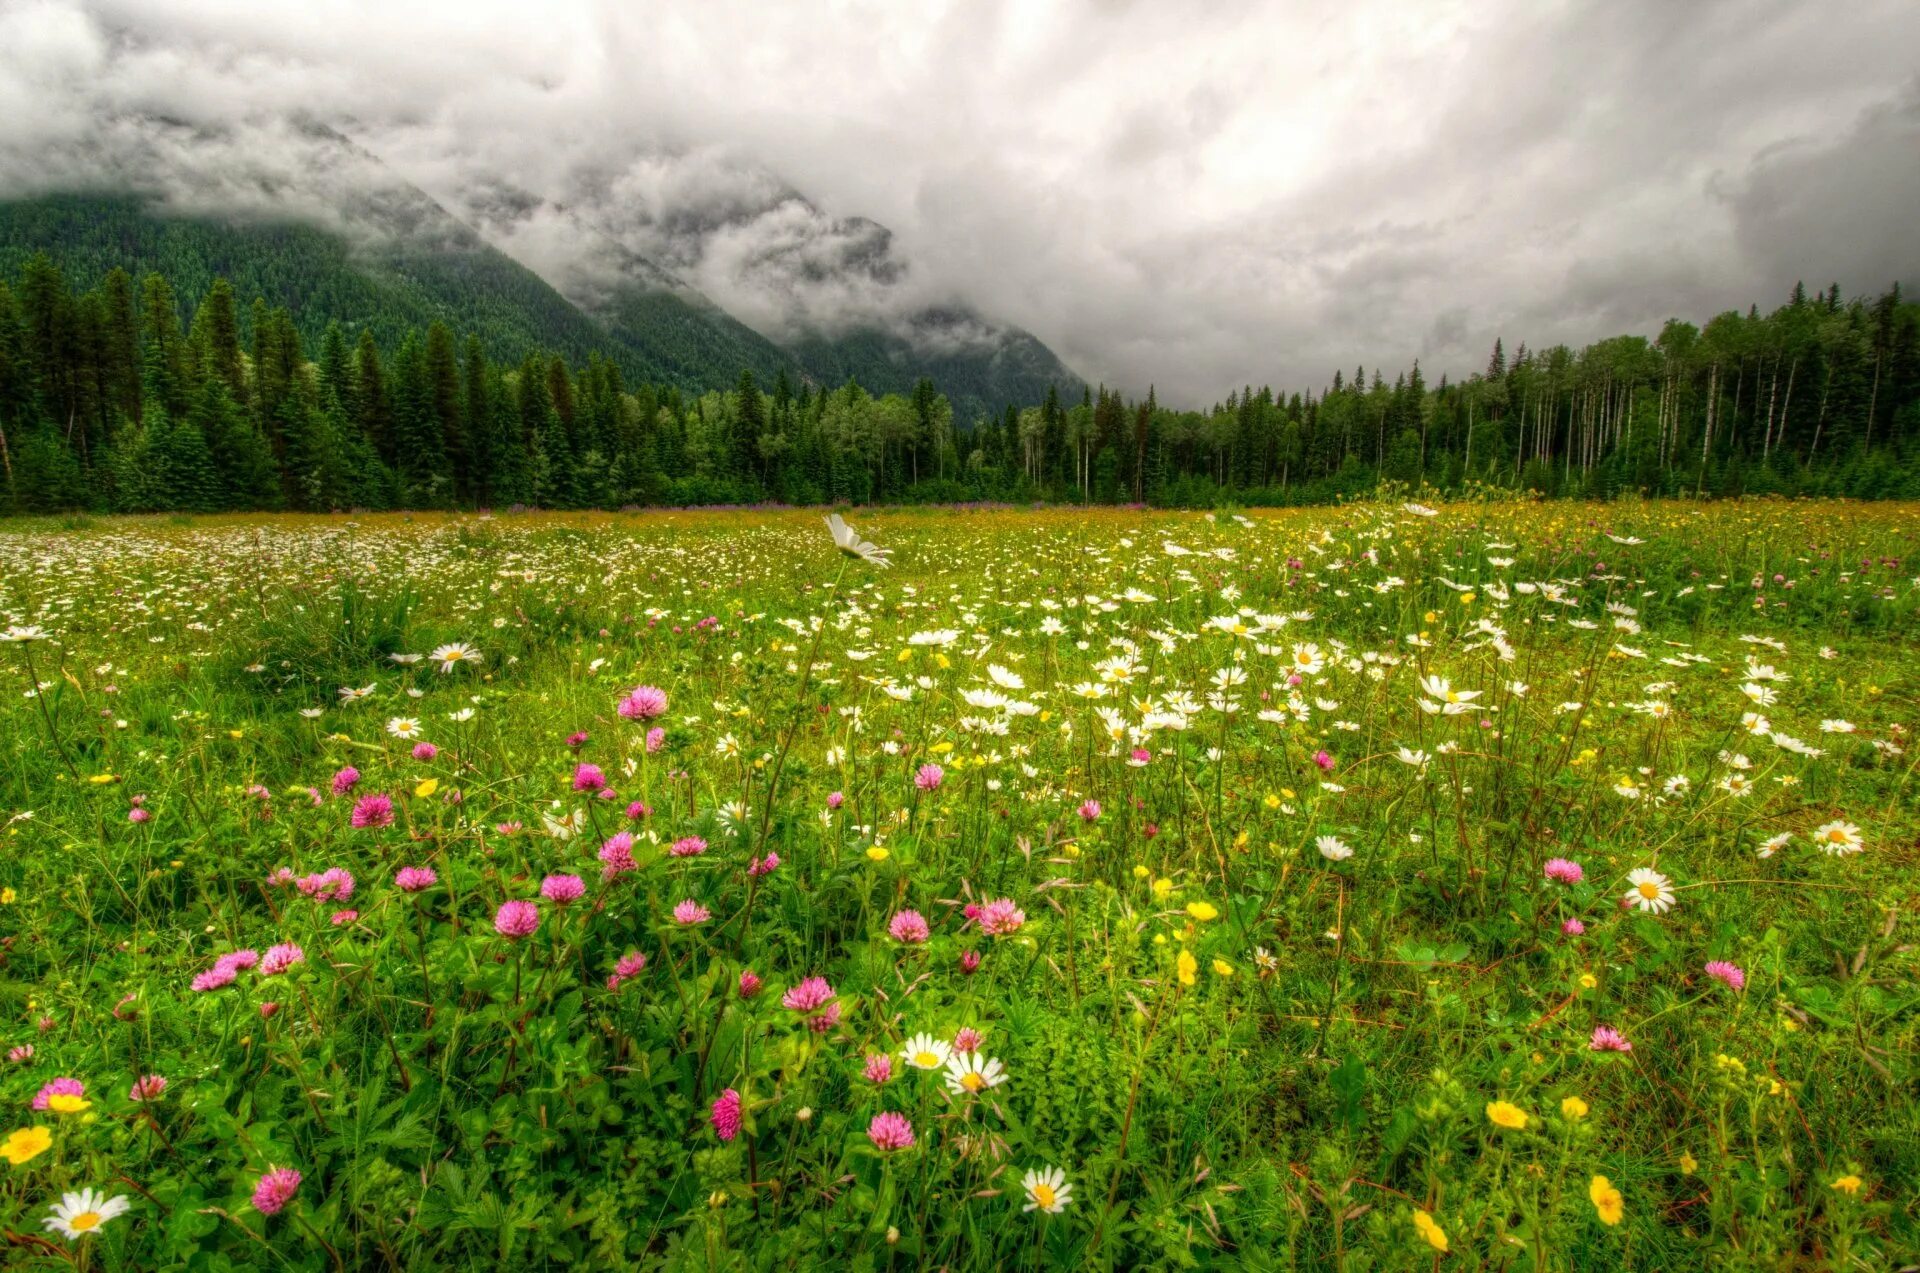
{"x":1320,"y":1067}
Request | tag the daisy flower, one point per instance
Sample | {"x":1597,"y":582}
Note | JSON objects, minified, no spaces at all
{"x":78,"y":1214}
{"x":403,"y":727}
{"x":1838,"y":838}
{"x":1332,"y":848}
{"x":453,"y":654}
{"x":971,"y":1072}
{"x":924,"y":1052}
{"x":1046,"y":1189}
{"x":1651,"y":890}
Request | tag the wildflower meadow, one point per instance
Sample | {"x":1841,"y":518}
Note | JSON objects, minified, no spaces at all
{"x":1499,"y":884}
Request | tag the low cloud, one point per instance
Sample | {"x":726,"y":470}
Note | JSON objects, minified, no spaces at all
{"x":1194,"y":195}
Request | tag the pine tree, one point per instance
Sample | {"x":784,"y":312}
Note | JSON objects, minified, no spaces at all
{"x":368,"y":407}
{"x":163,"y":373}
{"x":216,"y":330}
{"x":447,"y":411}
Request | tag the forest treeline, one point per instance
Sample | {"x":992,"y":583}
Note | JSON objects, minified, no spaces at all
{"x":115,"y":398}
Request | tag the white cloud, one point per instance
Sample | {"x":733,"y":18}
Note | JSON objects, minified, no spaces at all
{"x":1194,"y":194}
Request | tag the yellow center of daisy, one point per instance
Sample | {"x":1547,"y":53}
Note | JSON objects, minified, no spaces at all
{"x":1649,"y":890}
{"x":1044,"y":1195}
{"x":973,"y":1081}
{"x":85,"y":1220}
{"x":925,"y":1060}
{"x":1836,"y":837}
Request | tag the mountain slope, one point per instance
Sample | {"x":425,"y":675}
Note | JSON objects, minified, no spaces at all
{"x":404,"y":262}
{"x":387,"y":288}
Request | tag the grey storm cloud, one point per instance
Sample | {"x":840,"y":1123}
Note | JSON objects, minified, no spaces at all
{"x":1192,"y":195}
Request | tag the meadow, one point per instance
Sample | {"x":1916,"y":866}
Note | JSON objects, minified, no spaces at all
{"x":1516,"y":885}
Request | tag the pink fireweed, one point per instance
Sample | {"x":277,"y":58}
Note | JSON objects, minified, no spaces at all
{"x":909,"y":927}
{"x":967,"y":1039}
{"x":1001,"y":917}
{"x":879,"y":1067}
{"x":267,"y":1009}
{"x":20,"y":1053}
{"x":644,"y":702}
{"x":343,"y":917}
{"x":1607,"y":1039}
{"x":749,"y":984}
{"x":138,"y":814}
{"x":425,"y":751}
{"x":241,"y":959}
{"x":835,"y":799}
{"x":415,"y":879}
{"x":589,"y":778}
{"x":1324,"y":760}
{"x":970,"y":962}
{"x":691,"y":846}
{"x":639,"y":809}
{"x":147,"y":1088}
{"x":280,"y":958}
{"x":631,"y":964}
{"x":62,"y":1096}
{"x":1089,"y":811}
{"x":691,"y":912}
{"x":929,"y":777}
{"x":1721,"y":970}
{"x":763,"y":866}
{"x":577,"y":739}
{"x":890,"y":1131}
{"x":275,"y":1190}
{"x":371,"y":813}
{"x":1572,"y":927}
{"x":656,"y":739}
{"x":516,"y":919}
{"x":344,"y":780}
{"x":561,"y":889}
{"x":1564,"y":871}
{"x":725,"y":1115}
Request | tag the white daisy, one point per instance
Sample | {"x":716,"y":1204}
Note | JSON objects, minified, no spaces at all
{"x":1332,"y":848}
{"x":971,"y":1072}
{"x":1651,"y":890}
{"x":78,"y":1214}
{"x":1047,"y":1190}
{"x":924,"y":1052}
{"x":454,"y":653}
{"x":1838,"y":838}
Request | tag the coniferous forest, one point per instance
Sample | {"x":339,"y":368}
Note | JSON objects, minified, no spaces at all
{"x":127,"y":396}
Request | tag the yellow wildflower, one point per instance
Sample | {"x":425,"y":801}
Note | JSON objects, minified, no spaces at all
{"x":427,"y":788}
{"x":1507,"y":1114}
{"x":1187,"y":966}
{"x":25,"y":1145}
{"x":1430,"y":1230}
{"x":1607,"y":1202}
{"x":1203,"y":911}
{"x":1848,"y":1184}
{"x":1573,"y":1108}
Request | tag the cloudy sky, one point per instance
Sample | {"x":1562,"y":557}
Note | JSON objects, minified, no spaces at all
{"x":1194,"y":195}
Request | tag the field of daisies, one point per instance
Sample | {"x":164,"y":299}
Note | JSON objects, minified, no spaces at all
{"x":1508,"y":885}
